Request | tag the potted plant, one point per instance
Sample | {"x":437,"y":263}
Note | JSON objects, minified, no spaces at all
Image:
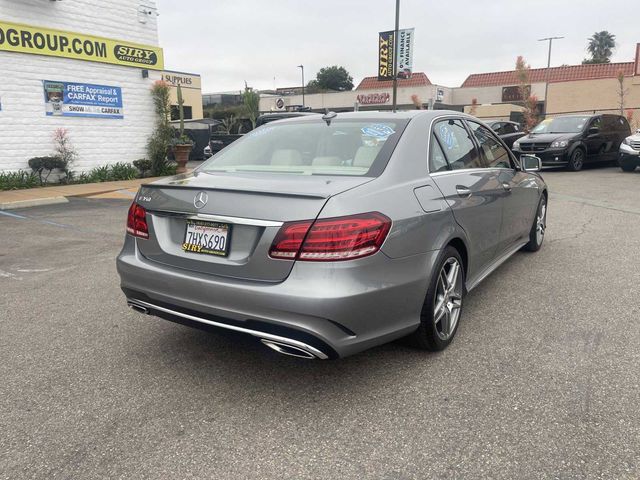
{"x":182,"y":145}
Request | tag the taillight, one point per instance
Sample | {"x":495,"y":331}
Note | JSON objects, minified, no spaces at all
{"x":330,"y":239}
{"x":137,"y":221}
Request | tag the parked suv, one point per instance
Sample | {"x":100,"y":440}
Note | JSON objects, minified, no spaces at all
{"x":572,"y":140}
{"x":629,"y":157}
{"x":509,"y":132}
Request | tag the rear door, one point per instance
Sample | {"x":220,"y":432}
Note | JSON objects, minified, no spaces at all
{"x":472,"y":191}
{"x":622,"y":129}
{"x":595,"y":141}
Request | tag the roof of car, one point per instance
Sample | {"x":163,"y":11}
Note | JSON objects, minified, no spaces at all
{"x":382,"y":115}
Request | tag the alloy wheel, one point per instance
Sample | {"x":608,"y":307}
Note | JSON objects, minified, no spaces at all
{"x":578,"y":160}
{"x":448,"y":298}
{"x":541,"y":222}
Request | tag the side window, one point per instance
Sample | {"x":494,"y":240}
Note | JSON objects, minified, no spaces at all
{"x":437,"y":160}
{"x":624,"y":125}
{"x":596,"y":123}
{"x":510,"y":128}
{"x":457,"y":144}
{"x":495,"y":155}
{"x":498,"y":128}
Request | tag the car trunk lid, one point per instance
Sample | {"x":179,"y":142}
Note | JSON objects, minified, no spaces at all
{"x":253,"y":205}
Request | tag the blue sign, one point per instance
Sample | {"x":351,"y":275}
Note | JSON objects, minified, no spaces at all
{"x":69,"y":99}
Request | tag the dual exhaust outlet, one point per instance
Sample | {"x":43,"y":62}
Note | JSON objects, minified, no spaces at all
{"x":282,"y":345}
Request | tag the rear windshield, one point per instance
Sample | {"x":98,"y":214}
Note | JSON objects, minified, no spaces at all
{"x":356,"y":148}
{"x":561,"y":125}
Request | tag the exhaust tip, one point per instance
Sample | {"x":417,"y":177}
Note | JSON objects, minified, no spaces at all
{"x":290,"y":350}
{"x":138,"y":308}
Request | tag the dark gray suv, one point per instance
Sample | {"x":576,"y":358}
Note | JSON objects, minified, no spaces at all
{"x":573,"y":140}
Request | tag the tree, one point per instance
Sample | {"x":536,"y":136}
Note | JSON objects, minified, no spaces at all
{"x":622,"y":92}
{"x":601,"y":46}
{"x":251,"y":102}
{"x":332,"y":78}
{"x":313,"y":87}
{"x":160,"y":140}
{"x":529,"y":102}
{"x":474,"y":107}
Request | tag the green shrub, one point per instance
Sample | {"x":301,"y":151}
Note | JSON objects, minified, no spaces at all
{"x":168,"y":170}
{"x":40,"y":165}
{"x":99,"y":174}
{"x":143,"y":165}
{"x":18,"y":180}
{"x":109,"y":173}
{"x":82,"y":177}
{"x":123,"y":171}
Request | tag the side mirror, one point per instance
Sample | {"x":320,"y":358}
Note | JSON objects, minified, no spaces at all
{"x":530,"y":163}
{"x":594,"y":130}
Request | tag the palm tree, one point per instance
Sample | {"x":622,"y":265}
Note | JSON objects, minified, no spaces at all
{"x":601,"y":46}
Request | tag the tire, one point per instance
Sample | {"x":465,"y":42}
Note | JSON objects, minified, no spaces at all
{"x":436,"y":332}
{"x":536,"y":234}
{"x":627,"y":167}
{"x":576,"y":160}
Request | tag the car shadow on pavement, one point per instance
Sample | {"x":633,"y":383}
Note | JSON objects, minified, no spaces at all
{"x":234,"y":362}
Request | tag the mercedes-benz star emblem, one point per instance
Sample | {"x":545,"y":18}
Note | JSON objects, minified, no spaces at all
{"x":201,"y":200}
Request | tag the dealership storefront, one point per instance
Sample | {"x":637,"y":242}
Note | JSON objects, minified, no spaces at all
{"x":589,"y":88}
{"x":370,"y":94}
{"x":84,"y":66}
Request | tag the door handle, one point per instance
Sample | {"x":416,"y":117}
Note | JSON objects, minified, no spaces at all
{"x":506,"y":186}
{"x":463,"y":191}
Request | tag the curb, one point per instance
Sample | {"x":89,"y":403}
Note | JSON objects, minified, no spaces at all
{"x":35,"y":202}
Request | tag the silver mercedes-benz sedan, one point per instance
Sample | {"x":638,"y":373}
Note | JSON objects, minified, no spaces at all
{"x":326,"y":235}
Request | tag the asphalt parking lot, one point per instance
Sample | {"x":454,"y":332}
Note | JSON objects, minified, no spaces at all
{"x":542,"y":380}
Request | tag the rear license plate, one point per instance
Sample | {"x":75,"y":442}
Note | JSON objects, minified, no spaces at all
{"x":207,"y":237}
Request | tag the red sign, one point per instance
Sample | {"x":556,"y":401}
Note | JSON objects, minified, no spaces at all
{"x":638,"y":59}
{"x":373,"y":98}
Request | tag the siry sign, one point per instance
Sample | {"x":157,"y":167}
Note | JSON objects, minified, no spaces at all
{"x":404,"y":54}
{"x":374,"y":98}
{"x":385,"y":55}
{"x":15,"y":37}
{"x":82,"y":100}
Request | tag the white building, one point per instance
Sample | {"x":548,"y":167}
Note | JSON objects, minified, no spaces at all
{"x":84,"y":65}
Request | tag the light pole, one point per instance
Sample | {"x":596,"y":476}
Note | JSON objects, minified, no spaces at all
{"x":395,"y":55}
{"x":301,"y":67}
{"x":546,"y":83}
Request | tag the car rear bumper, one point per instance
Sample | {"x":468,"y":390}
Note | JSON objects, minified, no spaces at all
{"x":335,"y":308}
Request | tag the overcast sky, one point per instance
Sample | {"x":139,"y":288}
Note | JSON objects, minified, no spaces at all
{"x":230,"y":41}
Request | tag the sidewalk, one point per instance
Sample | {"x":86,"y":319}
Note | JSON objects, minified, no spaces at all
{"x":32,"y":197}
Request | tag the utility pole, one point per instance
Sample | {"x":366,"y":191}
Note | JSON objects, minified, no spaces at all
{"x":546,"y":84}
{"x":395,"y":56}
{"x":301,"y":67}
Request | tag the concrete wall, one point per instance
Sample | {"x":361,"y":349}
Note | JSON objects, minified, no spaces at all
{"x":464,"y":96}
{"x":25,"y":130}
{"x":500,"y":111}
{"x":587,"y":96}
